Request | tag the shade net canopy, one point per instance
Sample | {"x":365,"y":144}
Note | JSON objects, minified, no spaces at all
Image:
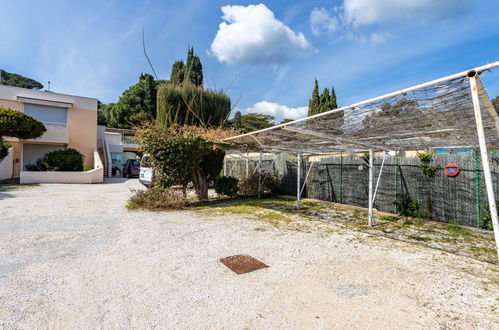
{"x":438,"y":114}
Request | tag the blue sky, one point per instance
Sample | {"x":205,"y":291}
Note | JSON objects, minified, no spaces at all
{"x":265,"y":55}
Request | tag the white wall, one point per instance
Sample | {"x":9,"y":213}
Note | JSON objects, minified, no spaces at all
{"x":6,"y":166}
{"x":93,"y":176}
{"x":33,"y":152}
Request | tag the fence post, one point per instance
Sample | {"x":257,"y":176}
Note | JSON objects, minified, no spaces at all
{"x":472,"y":76}
{"x":477,"y":188}
{"x":341,"y":178}
{"x":260,"y":175}
{"x":370,"y":197}
{"x":298,"y":174}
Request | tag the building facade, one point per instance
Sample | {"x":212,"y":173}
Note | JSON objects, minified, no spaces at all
{"x":71,"y":122}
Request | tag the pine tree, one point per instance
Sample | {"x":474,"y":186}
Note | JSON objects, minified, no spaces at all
{"x":314,"y":102}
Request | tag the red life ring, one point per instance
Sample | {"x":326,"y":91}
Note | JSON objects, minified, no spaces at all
{"x":451,"y":170}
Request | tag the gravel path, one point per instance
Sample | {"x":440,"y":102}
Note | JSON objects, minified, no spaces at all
{"x":71,"y":256}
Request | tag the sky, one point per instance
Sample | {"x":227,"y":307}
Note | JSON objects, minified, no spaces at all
{"x":264,"y":55}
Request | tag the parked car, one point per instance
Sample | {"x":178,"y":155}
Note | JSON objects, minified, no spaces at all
{"x":131,"y":168}
{"x":147,"y":175}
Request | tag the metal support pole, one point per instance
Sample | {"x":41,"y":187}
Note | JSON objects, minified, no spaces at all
{"x":260,"y":175}
{"x":472,"y":76}
{"x":298,"y":174}
{"x":379,"y":176}
{"x":247,"y":164}
{"x":477,"y":187}
{"x":225,"y":165}
{"x":370,"y":197}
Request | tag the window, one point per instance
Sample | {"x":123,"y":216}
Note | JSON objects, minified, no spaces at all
{"x":48,"y":115}
{"x":116,"y":158}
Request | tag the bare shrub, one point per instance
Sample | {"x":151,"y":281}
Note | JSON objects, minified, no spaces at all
{"x":157,"y":199}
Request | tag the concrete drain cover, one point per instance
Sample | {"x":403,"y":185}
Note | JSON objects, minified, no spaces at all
{"x":241,"y":264}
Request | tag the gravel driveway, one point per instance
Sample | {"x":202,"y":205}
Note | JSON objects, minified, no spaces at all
{"x":72,"y":256}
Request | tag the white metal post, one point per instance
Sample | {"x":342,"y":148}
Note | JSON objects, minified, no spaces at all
{"x":484,"y":155}
{"x":247,"y":164}
{"x":225,"y":165}
{"x":370,"y":205}
{"x":298,"y":185}
{"x":260,"y":175}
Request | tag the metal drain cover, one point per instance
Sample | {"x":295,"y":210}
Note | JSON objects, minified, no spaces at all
{"x":241,"y":264}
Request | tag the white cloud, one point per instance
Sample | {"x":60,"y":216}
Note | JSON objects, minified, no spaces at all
{"x":367,"y":12}
{"x":253,"y":35}
{"x":321,"y":20}
{"x":277,"y":110}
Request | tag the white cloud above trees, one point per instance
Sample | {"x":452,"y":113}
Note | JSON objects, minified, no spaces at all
{"x":252,"y":34}
{"x":276,"y":110}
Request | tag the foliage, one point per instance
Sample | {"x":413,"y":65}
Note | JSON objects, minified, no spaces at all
{"x":188,"y":104}
{"x":136,"y":104}
{"x":156,"y":199}
{"x":286,"y":120}
{"x":486,"y":218}
{"x":16,"y":80}
{"x":17,"y":124}
{"x":226,"y":185}
{"x":426,"y":158}
{"x":269,"y":183}
{"x":65,"y":160}
{"x":193,"y":68}
{"x":4,"y":148}
{"x":406,"y":206}
{"x":255,"y":121}
{"x":190,"y":73}
{"x":495,"y":103}
{"x":324,"y":102}
{"x":183,"y":154}
{"x":178,"y":73}
{"x":237,"y":122}
{"x":103,"y":113}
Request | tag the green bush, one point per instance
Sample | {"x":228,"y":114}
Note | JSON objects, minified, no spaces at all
{"x":406,"y":206}
{"x":59,"y":160}
{"x":486,"y":219}
{"x":226,"y":185}
{"x":249,"y":186}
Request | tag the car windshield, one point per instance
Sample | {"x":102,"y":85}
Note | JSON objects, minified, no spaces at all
{"x":134,"y":163}
{"x":145,"y":161}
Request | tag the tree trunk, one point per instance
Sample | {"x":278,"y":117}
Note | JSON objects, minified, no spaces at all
{"x":200,"y":184}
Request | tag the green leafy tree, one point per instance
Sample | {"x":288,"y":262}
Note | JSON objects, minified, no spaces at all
{"x":255,"y":121}
{"x":19,"y":125}
{"x":236,"y":122}
{"x":181,"y":154}
{"x":16,"y":80}
{"x":137,"y":104}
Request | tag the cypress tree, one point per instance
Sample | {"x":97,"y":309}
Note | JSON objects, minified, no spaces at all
{"x":314,"y":102}
{"x":237,"y":121}
{"x":325,"y":101}
{"x":178,"y":73}
{"x":194,"y":68}
{"x":333,"y":103}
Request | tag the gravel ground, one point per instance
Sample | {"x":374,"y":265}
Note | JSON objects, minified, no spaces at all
{"x":72,"y":256}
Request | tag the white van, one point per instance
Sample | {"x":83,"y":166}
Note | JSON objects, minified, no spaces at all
{"x":147,"y":175}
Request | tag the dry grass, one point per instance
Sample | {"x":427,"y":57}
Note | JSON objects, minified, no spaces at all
{"x":450,"y":238}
